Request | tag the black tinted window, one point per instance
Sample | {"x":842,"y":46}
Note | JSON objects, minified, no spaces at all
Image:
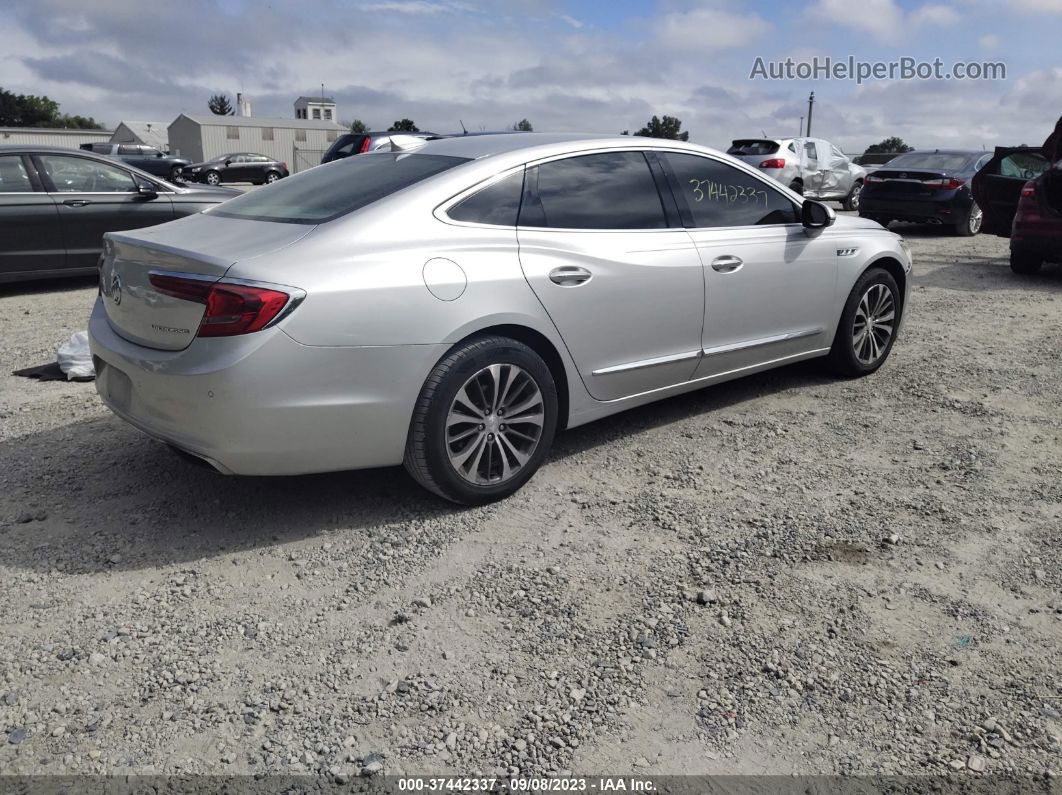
{"x":606,"y":191}
{"x":348,"y":145}
{"x":128,"y":149}
{"x":497,"y":204}
{"x":321,"y":194}
{"x":719,"y":194}
{"x":743,"y":147}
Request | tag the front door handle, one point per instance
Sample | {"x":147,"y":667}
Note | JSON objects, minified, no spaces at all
{"x":569,"y":276}
{"x":76,"y":202}
{"x":727,"y":263}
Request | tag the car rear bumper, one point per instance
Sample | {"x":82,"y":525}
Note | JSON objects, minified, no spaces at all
{"x":945,"y":209}
{"x":262,"y":403}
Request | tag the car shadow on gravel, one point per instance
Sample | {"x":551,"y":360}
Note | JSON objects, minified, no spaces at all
{"x":98,"y":495}
{"x":973,"y":274}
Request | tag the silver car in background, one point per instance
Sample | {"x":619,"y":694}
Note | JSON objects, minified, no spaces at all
{"x":452,"y":306}
{"x":811,"y":167}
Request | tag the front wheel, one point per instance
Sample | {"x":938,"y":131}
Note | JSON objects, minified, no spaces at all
{"x":971,"y":224}
{"x":868,"y":325}
{"x":851,"y":201}
{"x":484,"y":421}
{"x":213,"y":178}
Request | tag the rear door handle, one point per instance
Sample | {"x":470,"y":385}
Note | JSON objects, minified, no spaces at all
{"x":569,"y":276}
{"x":727,"y":263}
{"x":76,"y":202}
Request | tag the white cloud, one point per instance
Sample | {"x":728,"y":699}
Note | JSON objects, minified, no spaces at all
{"x":990,"y":41}
{"x":707,"y":30}
{"x":934,"y":15}
{"x":885,"y":19}
{"x":1054,"y":6}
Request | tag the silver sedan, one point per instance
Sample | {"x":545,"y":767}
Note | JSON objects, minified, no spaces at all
{"x":453,"y":304}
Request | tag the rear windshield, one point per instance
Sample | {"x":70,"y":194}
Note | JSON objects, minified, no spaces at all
{"x":335,"y":189}
{"x":347,"y":145}
{"x":936,"y":161}
{"x":750,"y":147}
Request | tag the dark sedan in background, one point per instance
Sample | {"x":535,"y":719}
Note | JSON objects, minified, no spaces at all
{"x":236,"y":167}
{"x":56,"y":204}
{"x":925,"y":187}
{"x":146,"y":158}
{"x":360,"y":143}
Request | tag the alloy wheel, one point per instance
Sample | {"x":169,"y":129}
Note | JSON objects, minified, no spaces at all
{"x":272,"y":176}
{"x":494,"y":424}
{"x":976,"y":219}
{"x":874,"y":323}
{"x":212,"y":178}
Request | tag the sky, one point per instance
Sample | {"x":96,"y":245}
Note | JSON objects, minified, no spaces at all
{"x":566,"y":65}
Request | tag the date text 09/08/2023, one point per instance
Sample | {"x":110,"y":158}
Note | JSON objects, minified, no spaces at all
{"x":569,"y":784}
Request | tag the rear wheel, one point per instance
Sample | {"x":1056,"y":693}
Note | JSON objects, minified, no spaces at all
{"x":175,"y":173}
{"x":851,"y":202}
{"x":868,"y":325}
{"x":1025,"y":263}
{"x":484,"y":421}
{"x":272,"y":176}
{"x":971,"y":224}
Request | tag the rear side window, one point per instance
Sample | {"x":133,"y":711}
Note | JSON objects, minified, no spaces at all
{"x":128,"y":149}
{"x":322,"y":194}
{"x":719,"y":194}
{"x":497,"y":204}
{"x":613,"y":190}
{"x":752,"y":148}
{"x":13,"y":176}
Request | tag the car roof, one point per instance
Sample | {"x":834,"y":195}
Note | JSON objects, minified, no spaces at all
{"x":50,"y":148}
{"x":475,"y":147}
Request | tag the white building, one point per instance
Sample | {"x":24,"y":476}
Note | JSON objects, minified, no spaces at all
{"x":297,"y":142}
{"x":147,"y":133}
{"x":315,"y":108}
{"x":48,"y":136}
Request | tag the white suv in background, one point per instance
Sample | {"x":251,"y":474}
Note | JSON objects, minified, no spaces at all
{"x":810,"y":166}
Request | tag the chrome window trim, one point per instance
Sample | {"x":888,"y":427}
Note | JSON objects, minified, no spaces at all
{"x":643,"y":363}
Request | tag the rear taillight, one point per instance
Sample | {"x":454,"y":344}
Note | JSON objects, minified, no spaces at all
{"x":869,"y":178}
{"x":944,"y":183}
{"x":364,"y":146}
{"x":1029,"y":191}
{"x":284,"y":166}
{"x":773,"y":163}
{"x":231,"y":309}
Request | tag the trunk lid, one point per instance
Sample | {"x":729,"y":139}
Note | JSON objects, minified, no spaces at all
{"x":201,"y":246}
{"x":907,"y":181}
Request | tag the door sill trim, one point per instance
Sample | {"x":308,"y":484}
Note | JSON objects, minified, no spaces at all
{"x":719,"y":350}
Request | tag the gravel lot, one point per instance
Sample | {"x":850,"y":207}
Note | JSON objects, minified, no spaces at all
{"x":785,"y":574}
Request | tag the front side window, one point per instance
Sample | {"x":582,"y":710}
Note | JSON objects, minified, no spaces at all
{"x":1024,"y":165}
{"x":80,"y":175}
{"x":497,"y":204}
{"x":719,"y":194}
{"x":323,"y":194}
{"x":611,"y":190}
{"x":13,"y":176}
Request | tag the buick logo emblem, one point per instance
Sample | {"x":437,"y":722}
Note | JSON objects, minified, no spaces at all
{"x":903,"y":175}
{"x":116,"y":289}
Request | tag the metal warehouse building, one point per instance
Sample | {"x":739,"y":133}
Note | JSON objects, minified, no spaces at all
{"x":35,"y":136}
{"x":298,"y":142}
{"x":148,"y":133}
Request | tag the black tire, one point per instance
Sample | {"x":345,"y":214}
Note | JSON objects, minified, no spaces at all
{"x":272,"y":176}
{"x":427,"y":456}
{"x":842,"y":358}
{"x":175,"y":174}
{"x":797,"y":186}
{"x":970,"y":225}
{"x":851,"y":201}
{"x":1025,"y":263}
{"x":212,"y":178}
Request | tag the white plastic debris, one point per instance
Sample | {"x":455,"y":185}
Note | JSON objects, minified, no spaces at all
{"x":74,"y":357}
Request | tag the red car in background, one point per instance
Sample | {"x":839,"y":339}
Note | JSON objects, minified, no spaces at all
{"x":1020,"y":192}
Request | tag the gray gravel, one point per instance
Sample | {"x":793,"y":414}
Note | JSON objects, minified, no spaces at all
{"x":786,"y":574}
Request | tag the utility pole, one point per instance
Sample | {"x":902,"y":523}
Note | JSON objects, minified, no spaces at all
{"x":801,"y":127}
{"x":811,"y":107}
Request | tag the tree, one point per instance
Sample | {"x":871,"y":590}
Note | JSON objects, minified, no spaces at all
{"x":358,"y":126}
{"x":405,"y":125}
{"x":523,"y":126}
{"x":26,"y":110}
{"x":890,"y":145}
{"x":219,"y":105}
{"x":669,"y":127}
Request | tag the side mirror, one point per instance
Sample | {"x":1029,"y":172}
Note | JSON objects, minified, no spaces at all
{"x":145,"y":190}
{"x":158,"y":154}
{"x":816,"y":215}
{"x":228,"y":162}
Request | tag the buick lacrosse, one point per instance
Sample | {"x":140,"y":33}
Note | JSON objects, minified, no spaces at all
{"x":452,"y":303}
